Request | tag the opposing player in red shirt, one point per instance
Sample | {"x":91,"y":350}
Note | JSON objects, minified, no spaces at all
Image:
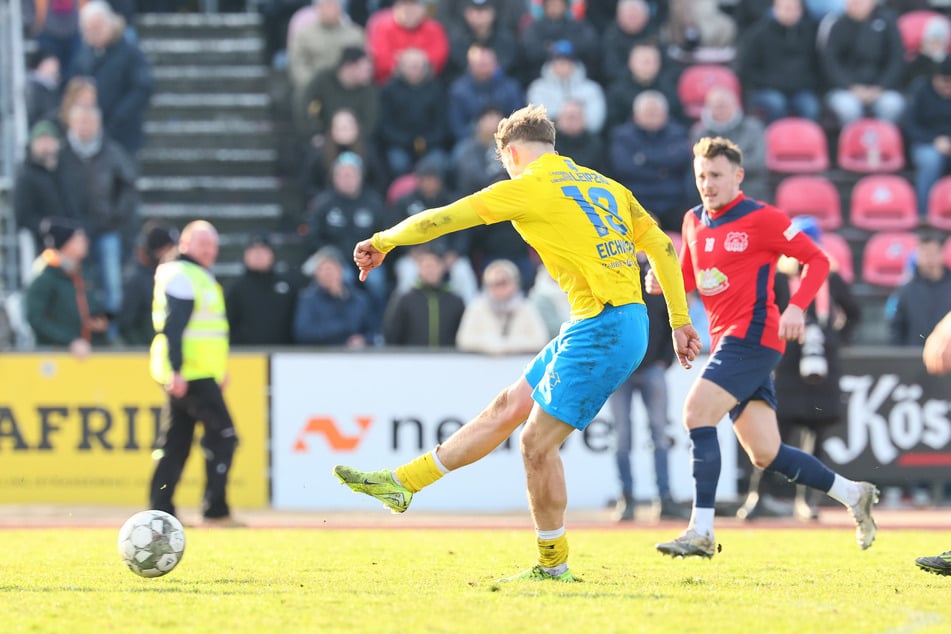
{"x":730,"y":247}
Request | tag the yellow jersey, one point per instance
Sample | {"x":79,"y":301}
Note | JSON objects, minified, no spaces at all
{"x":585,"y":227}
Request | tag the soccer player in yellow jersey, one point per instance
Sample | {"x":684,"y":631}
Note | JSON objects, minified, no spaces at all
{"x":587,"y":229}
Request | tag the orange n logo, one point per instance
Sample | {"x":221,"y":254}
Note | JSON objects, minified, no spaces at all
{"x":327,"y":427}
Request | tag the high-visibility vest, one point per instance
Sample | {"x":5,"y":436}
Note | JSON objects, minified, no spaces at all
{"x":205,"y":340}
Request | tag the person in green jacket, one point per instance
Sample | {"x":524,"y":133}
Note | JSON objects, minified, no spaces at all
{"x":61,"y":308}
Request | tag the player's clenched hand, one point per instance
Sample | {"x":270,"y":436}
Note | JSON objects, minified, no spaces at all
{"x":651,"y":285}
{"x":792,"y":324}
{"x":367,"y":257}
{"x":687,"y":345}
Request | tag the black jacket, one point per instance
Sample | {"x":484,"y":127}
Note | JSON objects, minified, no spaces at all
{"x":774,"y":56}
{"x":135,"y":314}
{"x":920,"y":305}
{"x":424,"y":316}
{"x":818,"y":401}
{"x":868,"y":52}
{"x":37,"y":194}
{"x":261,"y":309}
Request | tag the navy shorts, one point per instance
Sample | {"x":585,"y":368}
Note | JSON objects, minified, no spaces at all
{"x":745,"y":370}
{"x":573,"y":376}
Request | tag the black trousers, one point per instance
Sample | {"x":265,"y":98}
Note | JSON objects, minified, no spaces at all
{"x":204,"y":403}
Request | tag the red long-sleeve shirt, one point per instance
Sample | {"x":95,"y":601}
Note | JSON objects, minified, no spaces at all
{"x":729,"y":257}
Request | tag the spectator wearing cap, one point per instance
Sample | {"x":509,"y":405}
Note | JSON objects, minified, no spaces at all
{"x":927,"y":128}
{"x":42,"y":86}
{"x":431,"y":192}
{"x":480,"y":26}
{"x":134,"y":319}
{"x":413,"y":121}
{"x":332,"y":311}
{"x":404,"y":27}
{"x":345,"y":214}
{"x":37,"y":192}
{"x":428,"y":314}
{"x":348,"y":85}
{"x":317,"y":45}
{"x":556,"y":24}
{"x":261,"y":301}
{"x":562,"y":78}
{"x":61,"y":308}
{"x":123,"y":75}
{"x":920,"y":303}
{"x":507,"y":14}
{"x":484,"y":83}
{"x":99,"y":178}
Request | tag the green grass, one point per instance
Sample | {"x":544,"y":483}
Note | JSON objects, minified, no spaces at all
{"x":420,"y":581}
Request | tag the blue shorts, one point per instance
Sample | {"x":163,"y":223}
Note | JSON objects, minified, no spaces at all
{"x":745,"y":370}
{"x":573,"y":376}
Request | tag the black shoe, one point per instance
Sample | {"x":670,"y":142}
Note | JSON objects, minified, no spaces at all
{"x":939,"y":565}
{"x":670,"y":510}
{"x":624,"y":509}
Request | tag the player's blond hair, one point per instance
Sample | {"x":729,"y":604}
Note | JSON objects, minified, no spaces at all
{"x":712,"y":147}
{"x":529,"y":124}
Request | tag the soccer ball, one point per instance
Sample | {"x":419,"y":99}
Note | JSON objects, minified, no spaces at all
{"x":151,"y":543}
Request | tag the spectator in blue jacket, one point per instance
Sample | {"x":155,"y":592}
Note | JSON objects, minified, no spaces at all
{"x":331,"y":312}
{"x":122,"y":73}
{"x":483,"y":84}
{"x":651,"y":155}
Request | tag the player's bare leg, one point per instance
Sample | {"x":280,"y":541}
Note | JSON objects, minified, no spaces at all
{"x":547,"y":495}
{"x":471,"y":442}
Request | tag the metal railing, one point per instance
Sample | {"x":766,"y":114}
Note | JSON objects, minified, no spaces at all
{"x":13,"y":135}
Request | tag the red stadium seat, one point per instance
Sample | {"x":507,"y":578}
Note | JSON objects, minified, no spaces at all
{"x":883,"y":202}
{"x":809,"y":195}
{"x":840,"y":253}
{"x":697,"y":80}
{"x":939,"y":204}
{"x":400,"y":187}
{"x":796,"y":146}
{"x":871,"y":146}
{"x":911,"y":25}
{"x":885,"y":257}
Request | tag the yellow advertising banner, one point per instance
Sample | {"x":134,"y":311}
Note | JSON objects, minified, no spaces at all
{"x":83,"y":432}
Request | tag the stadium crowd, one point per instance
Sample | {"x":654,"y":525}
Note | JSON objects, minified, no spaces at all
{"x":394,"y":107}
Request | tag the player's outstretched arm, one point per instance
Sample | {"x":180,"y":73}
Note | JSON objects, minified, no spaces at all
{"x":937,"y":350}
{"x":687,"y":345}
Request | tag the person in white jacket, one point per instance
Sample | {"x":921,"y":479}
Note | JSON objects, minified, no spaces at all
{"x":564,"y":78}
{"x":500,"y":320}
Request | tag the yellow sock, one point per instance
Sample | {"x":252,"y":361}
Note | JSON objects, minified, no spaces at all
{"x":552,"y":552}
{"x":419,"y":473}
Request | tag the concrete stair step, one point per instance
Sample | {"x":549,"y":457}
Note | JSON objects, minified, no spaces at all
{"x":227,"y":217}
{"x":210,"y":79}
{"x":207,"y":161}
{"x":209,"y":189}
{"x":198,"y":25}
{"x":203,"y":52}
{"x":204,"y":134}
{"x":228,"y":106}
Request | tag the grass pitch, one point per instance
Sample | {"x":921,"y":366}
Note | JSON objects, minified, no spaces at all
{"x":413,"y":581}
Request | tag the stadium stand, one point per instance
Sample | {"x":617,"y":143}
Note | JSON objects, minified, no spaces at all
{"x":883,"y":202}
{"x":796,"y":146}
{"x":885,"y":256}
{"x":871,"y":146}
{"x":697,"y":80}
{"x":811,"y":195}
{"x":839,"y":251}
{"x":939,"y":204}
